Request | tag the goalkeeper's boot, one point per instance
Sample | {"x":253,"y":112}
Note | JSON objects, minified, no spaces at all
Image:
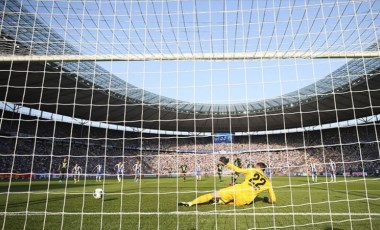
{"x":215,"y":201}
{"x":186,"y":204}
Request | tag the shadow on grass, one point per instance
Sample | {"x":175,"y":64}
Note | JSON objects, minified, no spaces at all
{"x":332,"y":228}
{"x":110,"y":199}
{"x":257,"y":199}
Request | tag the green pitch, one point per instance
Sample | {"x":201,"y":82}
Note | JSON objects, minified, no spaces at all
{"x":350,"y":204}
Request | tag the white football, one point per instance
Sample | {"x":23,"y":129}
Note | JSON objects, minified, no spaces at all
{"x":98,"y":193}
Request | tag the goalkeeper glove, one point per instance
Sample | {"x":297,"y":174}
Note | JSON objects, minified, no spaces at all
{"x":224,"y":160}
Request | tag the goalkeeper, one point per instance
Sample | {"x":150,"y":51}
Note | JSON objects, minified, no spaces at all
{"x":255,"y":182}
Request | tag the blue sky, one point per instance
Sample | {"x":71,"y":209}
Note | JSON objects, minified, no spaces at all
{"x":187,"y":26}
{"x":223,"y":81}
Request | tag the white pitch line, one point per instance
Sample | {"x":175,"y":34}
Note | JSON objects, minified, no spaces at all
{"x":30,"y":213}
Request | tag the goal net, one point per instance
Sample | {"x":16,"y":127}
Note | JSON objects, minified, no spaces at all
{"x":179,"y":114}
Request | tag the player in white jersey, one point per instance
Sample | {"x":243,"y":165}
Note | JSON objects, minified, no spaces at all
{"x":119,"y":170}
{"x":313,"y":167}
{"x":137,"y":169}
{"x":198,"y":171}
{"x":332,"y":170}
{"x":98,"y":169}
{"x":206,"y":171}
{"x":77,"y":170}
{"x":268,"y":171}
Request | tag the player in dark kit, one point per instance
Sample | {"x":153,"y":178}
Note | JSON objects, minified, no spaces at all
{"x":219,"y":168}
{"x":237,"y":163}
{"x":184,"y":171}
{"x":62,"y":168}
{"x":250,"y":165}
{"x":170,"y":171}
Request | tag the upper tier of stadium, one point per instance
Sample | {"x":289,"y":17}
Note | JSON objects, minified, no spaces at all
{"x":82,"y":88}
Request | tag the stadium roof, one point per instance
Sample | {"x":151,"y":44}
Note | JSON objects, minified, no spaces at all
{"x":81,"y":89}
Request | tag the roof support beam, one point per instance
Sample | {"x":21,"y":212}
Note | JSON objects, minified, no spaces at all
{"x":189,"y":57}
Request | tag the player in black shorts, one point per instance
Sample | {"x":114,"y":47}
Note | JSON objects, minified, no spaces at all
{"x":250,"y":165}
{"x":184,"y":171}
{"x":237,"y":163}
{"x":170,"y":171}
{"x":219,"y":168}
{"x":62,"y":168}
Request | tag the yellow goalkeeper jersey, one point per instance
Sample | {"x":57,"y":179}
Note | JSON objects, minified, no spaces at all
{"x":255,"y":182}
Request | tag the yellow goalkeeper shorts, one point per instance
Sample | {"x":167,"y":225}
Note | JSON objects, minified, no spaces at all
{"x":240,"y":194}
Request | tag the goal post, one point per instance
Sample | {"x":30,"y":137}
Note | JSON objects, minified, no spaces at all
{"x":192,"y":57}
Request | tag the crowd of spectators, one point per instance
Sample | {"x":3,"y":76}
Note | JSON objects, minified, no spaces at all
{"x":30,"y":145}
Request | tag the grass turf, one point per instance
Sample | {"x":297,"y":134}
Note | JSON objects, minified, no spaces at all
{"x":353,"y":203}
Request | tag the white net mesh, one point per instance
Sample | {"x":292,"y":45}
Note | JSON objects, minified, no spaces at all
{"x":113,"y":112}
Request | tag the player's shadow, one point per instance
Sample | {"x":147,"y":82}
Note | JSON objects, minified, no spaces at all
{"x":258,"y":199}
{"x":332,"y":228}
